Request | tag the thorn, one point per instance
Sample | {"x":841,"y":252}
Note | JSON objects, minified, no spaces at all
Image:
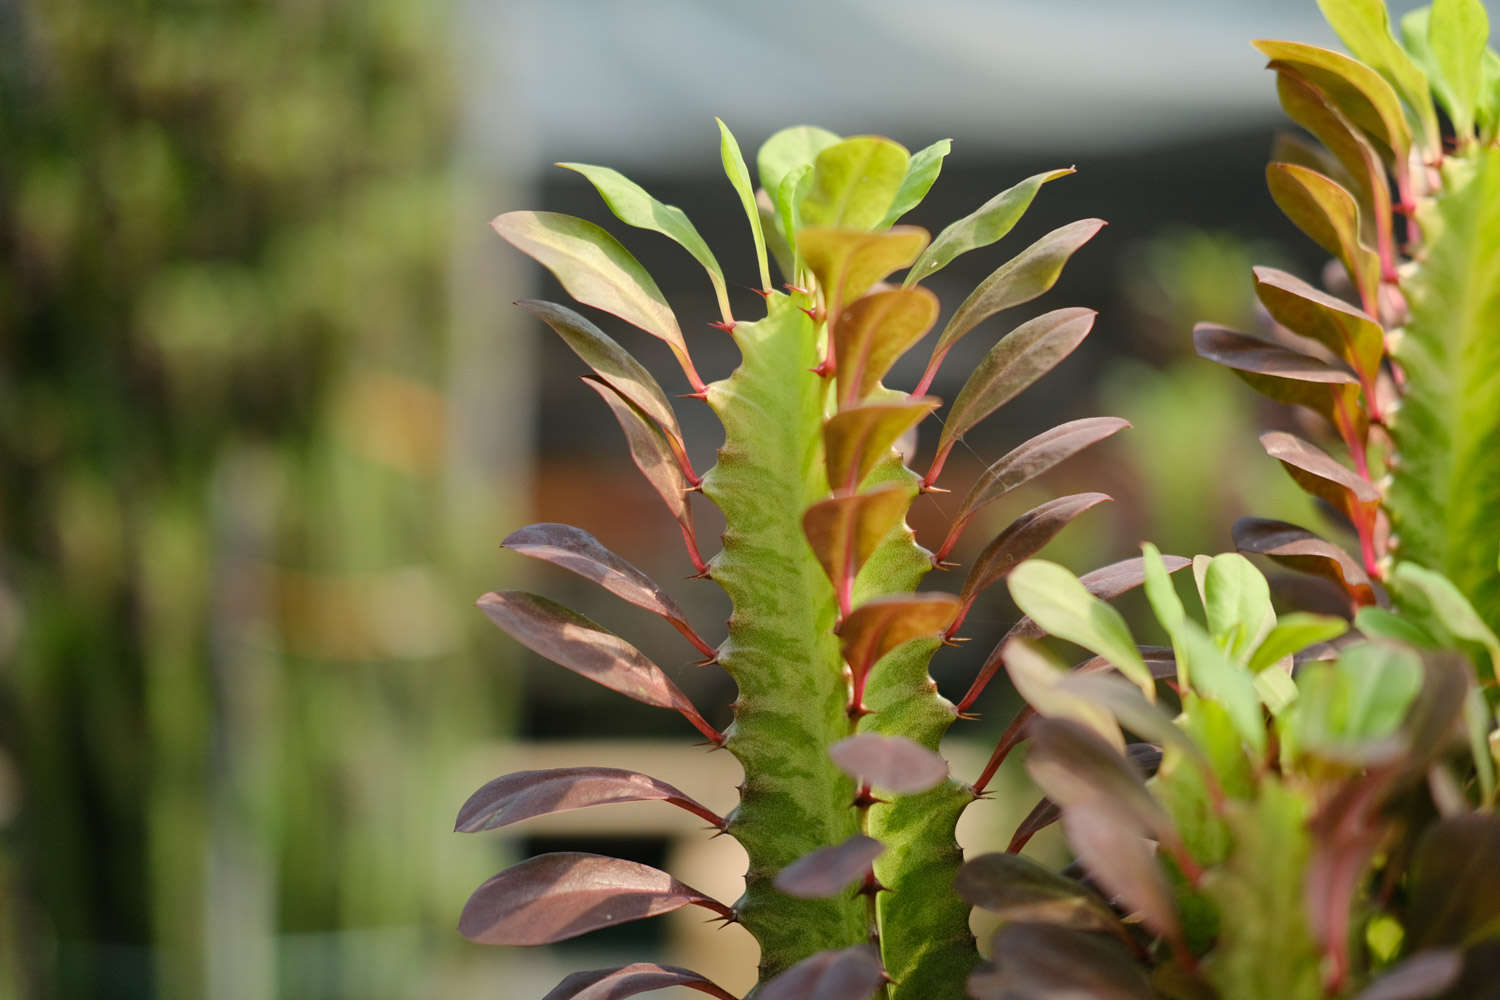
{"x":703,"y":574}
{"x":721,"y":325}
{"x":693,"y":487}
{"x":823,"y":370}
{"x":929,"y":488}
{"x":707,"y":661}
{"x":944,"y":564}
{"x":700,"y":394}
{"x":954,"y":641}
{"x":967,"y":716}
{"x":793,"y":288}
{"x":864,"y":799}
{"x":762,"y":292}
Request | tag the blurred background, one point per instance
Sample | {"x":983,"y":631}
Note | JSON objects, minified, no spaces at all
{"x":267,"y":415}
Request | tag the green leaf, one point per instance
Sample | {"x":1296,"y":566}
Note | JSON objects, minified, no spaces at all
{"x":1334,"y":323}
{"x":1478,"y":722}
{"x":1365,"y":27}
{"x":1022,"y":278}
{"x":1293,"y":633}
{"x":739,"y":178}
{"x":1016,"y":361}
{"x":1488,"y":109}
{"x":788,"y":216}
{"x":787,"y":150}
{"x":1443,"y":603}
{"x":1057,"y":601}
{"x":1237,"y":601}
{"x":1357,"y":700}
{"x":921,"y":173}
{"x":1444,"y":497}
{"x":1457,"y":31}
{"x":1165,"y":604}
{"x":873,"y":332}
{"x":854,"y":440}
{"x":633,"y":206}
{"x":1215,"y":676}
{"x":985,"y":225}
{"x":1378,"y":623}
{"x":847,"y":262}
{"x":1330,"y":215}
{"x":1355,"y":89}
{"x":1038,"y":678}
{"x":854,"y":183}
{"x":597,"y":271}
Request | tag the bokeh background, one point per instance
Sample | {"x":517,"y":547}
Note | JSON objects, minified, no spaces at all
{"x":265,"y":415}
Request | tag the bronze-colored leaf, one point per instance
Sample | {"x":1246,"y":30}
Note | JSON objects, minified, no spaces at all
{"x":1020,"y":890}
{"x":1320,"y":474}
{"x":1025,"y":462}
{"x":1285,"y":375}
{"x":873,"y":332}
{"x":880,"y":625}
{"x":1421,"y":976}
{"x":525,"y":794}
{"x":576,"y":550}
{"x":845,"y":529}
{"x":828,"y":871}
{"x":856,"y":439}
{"x":1032,"y":961}
{"x":1455,"y":882}
{"x":1304,"y":551}
{"x":1023,"y":538}
{"x":1046,"y":812}
{"x":847,"y":262}
{"x":554,"y":897}
{"x":573,"y":641}
{"x":1123,"y":862}
{"x":853,"y":973}
{"x":1330,"y":216}
{"x":653,"y":456}
{"x":1019,"y":358}
{"x":1312,"y":312}
{"x":1074,"y":766}
{"x":894,"y":763}
{"x":632,"y":980}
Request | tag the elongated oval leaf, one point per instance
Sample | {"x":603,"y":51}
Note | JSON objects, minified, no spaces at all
{"x":854,"y":183}
{"x":847,"y":262}
{"x":739,"y":179}
{"x":1022,"y":278}
{"x":786,"y":151}
{"x":554,"y":897}
{"x":845,"y":529}
{"x":1237,"y":604}
{"x":894,"y":763}
{"x":1421,"y":976}
{"x":632,"y":980}
{"x":1076,"y":768}
{"x":1321,"y":475}
{"x":874,"y":331}
{"x":1123,"y":863}
{"x":1456,"y":31}
{"x":1364,"y":26}
{"x":1330,"y":215}
{"x":1302,"y":550}
{"x":828,"y":871}
{"x":853,"y":973}
{"x":855,"y":439}
{"x":1443,"y":604}
{"x":1455,"y":881}
{"x":1038,"y":679}
{"x":1023,"y":538}
{"x":921,"y":172}
{"x":634,"y":206}
{"x":1314,"y":313}
{"x":1293,"y":633}
{"x":1027,"y":461}
{"x":985,"y":225}
{"x":1358,"y":91}
{"x":1284,"y":375}
{"x":878,"y":626}
{"x":1046,"y":812}
{"x":1058,"y":601}
{"x":1019,"y":889}
{"x":597,"y":271}
{"x":1020,"y":358}
{"x":573,"y":641}
{"x":576,"y":550}
{"x":1034,"y":960}
{"x":515,"y":797}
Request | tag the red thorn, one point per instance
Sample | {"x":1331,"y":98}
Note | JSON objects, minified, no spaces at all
{"x":793,"y":288}
{"x":721,"y":325}
{"x":764,"y":293}
{"x":824,"y":369}
{"x":929,"y":488}
{"x":700,"y":394}
{"x":864,"y":799}
{"x":707,"y":661}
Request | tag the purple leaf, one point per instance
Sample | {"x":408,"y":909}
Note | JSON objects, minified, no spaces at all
{"x":516,"y":797}
{"x":1023,"y":538}
{"x":571,"y":640}
{"x":1027,"y":461}
{"x":1019,"y":889}
{"x":576,"y":550}
{"x":1074,"y":766}
{"x":828,"y":871}
{"x":1455,"y":881}
{"x":1332,"y":322}
{"x":856,"y":439}
{"x":1033,"y":960}
{"x":893,"y":763}
{"x":632,"y":980}
{"x":848,"y":974}
{"x":1319,"y":474}
{"x":873,"y":332}
{"x":1304,"y":551}
{"x":1123,"y":862}
{"x":554,"y":897}
{"x":878,"y":626}
{"x":1424,"y":975}
{"x":1019,"y":358}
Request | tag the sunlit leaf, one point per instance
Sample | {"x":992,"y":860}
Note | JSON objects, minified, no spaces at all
{"x":633,"y":206}
{"x":985,"y":225}
{"x":1022,"y":278}
{"x":1023,"y":538}
{"x":845,"y":529}
{"x":739,"y":178}
{"x":1130,"y":709}
{"x":576,"y":550}
{"x":554,"y":897}
{"x":880,"y":625}
{"x":1019,"y":889}
{"x":1237,"y":603}
{"x":597,"y":271}
{"x":788,"y":217}
{"x":1026,"y":461}
{"x":921,"y":173}
{"x":571,"y":640}
{"x":1292,"y":633}
{"x":853,"y":973}
{"x":525,"y":794}
{"x":874,"y":331}
{"x":770,"y":227}
{"x":1418,"y":586}
{"x":1283,"y":374}
{"x":1060,"y":603}
{"x":1330,"y":215}
{"x":1321,"y":475}
{"x":787,"y":151}
{"x":1035,"y":960}
{"x":854,"y":183}
{"x":1302,"y":550}
{"x":632,"y":980}
{"x":1214,"y":675}
{"x":1075,"y":767}
{"x":1038,"y":678}
{"x":1455,"y":882}
{"x":855,"y":439}
{"x":1359,"y":699}
{"x":893,"y":763}
{"x":1421,"y":976}
{"x":1358,"y":91}
{"x":847,"y":262}
{"x":828,"y":871}
{"x":1019,"y":358}
{"x":1144,"y":756}
{"x":1364,"y":26}
{"x":1331,"y":321}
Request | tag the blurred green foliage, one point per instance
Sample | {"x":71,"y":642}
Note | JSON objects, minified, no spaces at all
{"x":231,"y":658}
